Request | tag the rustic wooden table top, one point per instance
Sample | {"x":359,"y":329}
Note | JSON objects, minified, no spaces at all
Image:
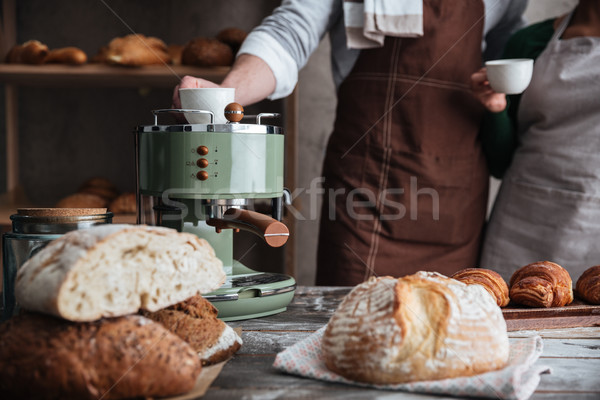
{"x":573,"y":354}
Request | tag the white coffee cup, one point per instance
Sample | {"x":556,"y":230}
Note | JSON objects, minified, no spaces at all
{"x":206,"y":99}
{"x":509,"y":76}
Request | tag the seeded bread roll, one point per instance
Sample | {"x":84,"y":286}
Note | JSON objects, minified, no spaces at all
{"x":195,"y":321}
{"x":541,"y":284}
{"x":421,"y":327}
{"x":43,"y":357}
{"x":114,"y":270}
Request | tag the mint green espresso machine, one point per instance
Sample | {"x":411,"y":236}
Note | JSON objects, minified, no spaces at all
{"x":204,"y":179}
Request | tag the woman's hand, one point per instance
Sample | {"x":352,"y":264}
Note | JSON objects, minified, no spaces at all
{"x":190,"y":82}
{"x":493,"y":101}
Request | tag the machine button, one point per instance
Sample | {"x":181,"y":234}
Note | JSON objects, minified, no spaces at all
{"x":202,"y":162}
{"x":202,"y":150}
{"x":202,"y":175}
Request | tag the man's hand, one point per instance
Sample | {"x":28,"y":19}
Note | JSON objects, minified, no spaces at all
{"x":190,"y":82}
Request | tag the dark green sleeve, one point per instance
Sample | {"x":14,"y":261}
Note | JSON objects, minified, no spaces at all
{"x":498,"y":132}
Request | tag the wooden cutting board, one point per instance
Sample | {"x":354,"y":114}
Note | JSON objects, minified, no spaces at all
{"x":574,"y":315}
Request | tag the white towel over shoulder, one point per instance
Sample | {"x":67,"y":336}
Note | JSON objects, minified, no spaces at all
{"x":368,"y":22}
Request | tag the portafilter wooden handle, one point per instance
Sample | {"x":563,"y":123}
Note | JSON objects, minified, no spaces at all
{"x":273,"y":232}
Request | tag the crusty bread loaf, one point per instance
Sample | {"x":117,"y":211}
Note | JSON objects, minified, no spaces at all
{"x":113,"y":270}
{"x":421,"y":327}
{"x":541,"y":284}
{"x":206,"y":52}
{"x":82,"y":200}
{"x":66,"y":55}
{"x":195,"y":321}
{"x":125,"y":203}
{"x":588,"y":285}
{"x":490,"y":280}
{"x":137,"y":50}
{"x":42,"y":357}
{"x":30,"y":52}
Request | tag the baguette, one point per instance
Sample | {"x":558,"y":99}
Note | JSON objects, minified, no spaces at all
{"x":114,"y":270}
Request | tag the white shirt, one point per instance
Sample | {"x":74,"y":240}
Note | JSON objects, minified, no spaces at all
{"x":286,"y":39}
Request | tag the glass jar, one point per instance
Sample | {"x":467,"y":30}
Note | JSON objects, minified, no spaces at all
{"x":32,"y":229}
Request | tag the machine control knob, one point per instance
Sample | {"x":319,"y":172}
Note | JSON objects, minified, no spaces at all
{"x":202,"y":175}
{"x":202,"y":150}
{"x":202,"y":163}
{"x":234,"y":112}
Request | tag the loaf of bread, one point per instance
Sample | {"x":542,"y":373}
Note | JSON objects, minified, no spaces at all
{"x":195,"y":321}
{"x":82,"y":200}
{"x":205,"y":52}
{"x":42,"y":357}
{"x":136,"y":50}
{"x":233,"y":37}
{"x":66,"y":55}
{"x":125,"y":203}
{"x":114,"y":270}
{"x":541,"y":284}
{"x":490,"y":280}
{"x":100,"y":186}
{"x":30,"y":52}
{"x":588,"y":285}
{"x":420,"y":327}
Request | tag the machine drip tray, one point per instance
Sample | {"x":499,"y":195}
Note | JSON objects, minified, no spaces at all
{"x":250,"y":294}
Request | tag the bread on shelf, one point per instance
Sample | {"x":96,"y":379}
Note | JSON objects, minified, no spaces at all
{"x":420,"y":327}
{"x":541,"y":284}
{"x":490,"y":280}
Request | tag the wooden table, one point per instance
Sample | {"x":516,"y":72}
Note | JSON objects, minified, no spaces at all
{"x":573,"y":355}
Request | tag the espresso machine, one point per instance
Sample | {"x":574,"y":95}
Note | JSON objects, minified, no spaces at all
{"x":204,"y":179}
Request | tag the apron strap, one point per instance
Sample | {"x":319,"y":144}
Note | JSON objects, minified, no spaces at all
{"x":561,"y":28}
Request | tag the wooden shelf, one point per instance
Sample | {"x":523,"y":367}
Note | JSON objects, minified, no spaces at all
{"x":100,"y":75}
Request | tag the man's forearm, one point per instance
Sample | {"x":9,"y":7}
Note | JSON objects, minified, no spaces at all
{"x":252,"y":78}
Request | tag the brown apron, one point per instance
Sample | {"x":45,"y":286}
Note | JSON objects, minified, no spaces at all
{"x":406,"y":183}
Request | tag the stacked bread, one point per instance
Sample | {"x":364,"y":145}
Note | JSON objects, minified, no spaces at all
{"x":420,"y":327}
{"x":82,"y":336}
{"x":100,"y":192}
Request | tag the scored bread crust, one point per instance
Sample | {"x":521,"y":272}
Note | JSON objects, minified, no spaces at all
{"x":421,"y":327}
{"x":114,"y":270}
{"x":43,"y":357}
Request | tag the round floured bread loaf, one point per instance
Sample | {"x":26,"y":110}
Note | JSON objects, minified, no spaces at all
{"x":113,"y":270}
{"x":43,"y":357}
{"x":421,"y":327}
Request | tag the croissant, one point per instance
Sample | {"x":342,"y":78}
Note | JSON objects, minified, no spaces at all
{"x":490,"y":280}
{"x":541,"y":284}
{"x":588,"y":285}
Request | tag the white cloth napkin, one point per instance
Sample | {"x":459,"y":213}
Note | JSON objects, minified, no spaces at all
{"x":367,"y":22}
{"x":518,"y":380}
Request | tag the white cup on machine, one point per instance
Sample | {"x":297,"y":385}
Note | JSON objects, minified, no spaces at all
{"x":207,"y":99}
{"x":509,"y":76}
